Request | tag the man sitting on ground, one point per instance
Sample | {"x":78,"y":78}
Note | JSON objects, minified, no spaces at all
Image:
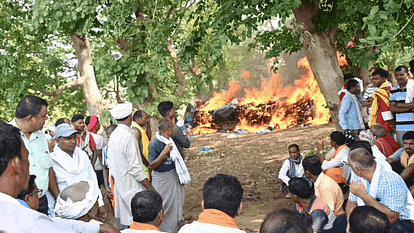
{"x":29,"y":197}
{"x":291,"y":168}
{"x":381,"y":188}
{"x":147,"y":212}
{"x":367,"y":219}
{"x":384,"y":141}
{"x":222,"y":196}
{"x":322,"y":216}
{"x":286,"y":221}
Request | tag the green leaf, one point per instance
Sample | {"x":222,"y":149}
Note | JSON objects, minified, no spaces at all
{"x":372,"y":30}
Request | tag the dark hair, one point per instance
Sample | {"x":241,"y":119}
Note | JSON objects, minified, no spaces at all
{"x":223,"y":192}
{"x":123,"y":119}
{"x":338,"y":137}
{"x":312,"y":164}
{"x":362,"y":144}
{"x":60,"y":121}
{"x":300,"y":187}
{"x":111,"y":129}
{"x":145,"y":206}
{"x":293,"y":146}
{"x":165,"y":107}
{"x":351,"y":83}
{"x":10,"y":145}
{"x":381,"y":72}
{"x":360,"y":157}
{"x":22,"y":195}
{"x":408,"y":135}
{"x":30,"y":105}
{"x":348,"y":76}
{"x":164,"y":124}
{"x":401,"y":68}
{"x":367,"y":219}
{"x":286,"y":221}
{"x":137,"y":114}
{"x":77,"y":117}
{"x":411,"y":65}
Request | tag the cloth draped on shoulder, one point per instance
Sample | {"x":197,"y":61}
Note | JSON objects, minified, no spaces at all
{"x":381,"y":106}
{"x":179,"y":163}
{"x":336,"y":173}
{"x":143,"y":226}
{"x":405,"y":162}
{"x":387,"y":145}
{"x":217,"y":217}
{"x":145,"y":145}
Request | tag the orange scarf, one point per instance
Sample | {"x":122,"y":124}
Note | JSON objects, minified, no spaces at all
{"x":217,"y":217}
{"x":404,"y":159}
{"x":336,"y":173}
{"x":143,"y":226}
{"x":384,"y":94}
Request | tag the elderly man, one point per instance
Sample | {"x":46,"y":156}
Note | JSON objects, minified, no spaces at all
{"x":31,"y":114}
{"x":71,"y":164}
{"x":140,"y":120}
{"x":380,"y":187}
{"x":367,"y":219}
{"x":14,"y":177}
{"x":125,"y":164}
{"x":286,"y":220}
{"x":147,"y":212}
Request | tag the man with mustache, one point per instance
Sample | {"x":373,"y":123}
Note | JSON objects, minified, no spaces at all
{"x":402,"y":161}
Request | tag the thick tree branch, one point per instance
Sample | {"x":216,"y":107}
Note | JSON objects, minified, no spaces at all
{"x":60,"y":89}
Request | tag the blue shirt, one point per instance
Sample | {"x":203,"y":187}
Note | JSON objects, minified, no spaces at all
{"x":348,"y":114}
{"x":404,"y":121}
{"x":392,"y":192}
{"x":155,"y":149}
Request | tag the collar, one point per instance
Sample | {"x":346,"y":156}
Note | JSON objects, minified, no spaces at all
{"x":143,"y":226}
{"x":217,"y":217}
{"x":319,"y":179}
{"x":8,"y":198}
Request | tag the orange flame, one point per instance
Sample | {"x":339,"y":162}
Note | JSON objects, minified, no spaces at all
{"x":282,"y":106}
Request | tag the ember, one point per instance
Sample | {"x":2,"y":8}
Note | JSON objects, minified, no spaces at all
{"x":282,"y":106}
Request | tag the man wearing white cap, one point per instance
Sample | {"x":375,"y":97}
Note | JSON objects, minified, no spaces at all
{"x":71,"y":164}
{"x":125,"y":164}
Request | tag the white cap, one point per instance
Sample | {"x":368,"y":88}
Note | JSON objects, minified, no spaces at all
{"x":121,"y":110}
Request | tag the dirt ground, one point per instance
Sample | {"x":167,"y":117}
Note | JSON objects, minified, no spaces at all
{"x":255,"y":159}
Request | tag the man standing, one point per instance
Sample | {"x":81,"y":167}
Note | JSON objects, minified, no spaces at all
{"x":125,"y":164}
{"x":85,"y":140}
{"x":402,"y":161}
{"x":381,"y":188}
{"x":31,"y":114}
{"x":93,"y":125}
{"x":140,"y":120}
{"x":404,"y":116}
{"x":168,"y":111}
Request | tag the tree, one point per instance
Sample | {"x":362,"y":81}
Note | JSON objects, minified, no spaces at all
{"x":320,"y":27}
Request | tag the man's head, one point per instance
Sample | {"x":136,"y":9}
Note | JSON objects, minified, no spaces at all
{"x":92,"y":123}
{"x":361,"y":161}
{"x":61,"y":121}
{"x":379,"y":76}
{"x":412,"y":66}
{"x":223,"y":192}
{"x":353,"y":87}
{"x":300,"y":189}
{"x":78,"y":201}
{"x":32,"y":112}
{"x":408,"y":140}
{"x":78,"y":122}
{"x":371,"y":71}
{"x":14,"y":158}
{"x":146,"y":207}
{"x":294,"y":151}
{"x":347,"y":78}
{"x":378,"y":131}
{"x":367,"y":219}
{"x":286,"y":221}
{"x":122,"y":112}
{"x":141,"y":117}
{"x":337,"y":138}
{"x":166,"y":128}
{"x":167,"y":109}
{"x":312,"y":166}
{"x":31,"y":194}
{"x":401,"y":75}
{"x":362,"y":144}
{"x":65,"y":136}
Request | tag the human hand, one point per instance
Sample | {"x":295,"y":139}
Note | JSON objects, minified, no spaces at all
{"x":102,"y":214}
{"x":108,"y":192}
{"x":357,"y":189}
{"x":168,"y":148}
{"x":321,"y":144}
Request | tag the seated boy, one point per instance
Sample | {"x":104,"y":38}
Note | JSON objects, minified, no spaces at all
{"x":222,"y":196}
{"x":291,"y":168}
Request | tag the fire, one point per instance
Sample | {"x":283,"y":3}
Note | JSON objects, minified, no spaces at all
{"x":282,"y":106}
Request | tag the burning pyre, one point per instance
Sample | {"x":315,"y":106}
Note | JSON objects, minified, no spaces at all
{"x":275,"y":104}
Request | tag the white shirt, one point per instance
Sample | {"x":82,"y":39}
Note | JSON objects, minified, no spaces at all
{"x":141,"y":231}
{"x":69,"y":170}
{"x":338,"y":160}
{"x":16,"y":218}
{"x":285,"y":169}
{"x":125,"y":164}
{"x":100,"y":144}
{"x":200,"y":227}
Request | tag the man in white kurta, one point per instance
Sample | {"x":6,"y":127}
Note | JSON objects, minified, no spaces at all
{"x":124,"y":161}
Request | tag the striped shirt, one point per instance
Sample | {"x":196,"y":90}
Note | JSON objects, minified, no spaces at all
{"x":404,"y":121}
{"x":368,"y":94}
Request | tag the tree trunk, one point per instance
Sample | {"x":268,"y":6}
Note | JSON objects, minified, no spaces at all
{"x":320,"y":49}
{"x":92,"y":94}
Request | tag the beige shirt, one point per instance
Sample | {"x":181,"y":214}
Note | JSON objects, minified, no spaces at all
{"x":327,"y":189}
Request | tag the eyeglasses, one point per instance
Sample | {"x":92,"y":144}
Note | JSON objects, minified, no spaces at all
{"x":39,"y":192}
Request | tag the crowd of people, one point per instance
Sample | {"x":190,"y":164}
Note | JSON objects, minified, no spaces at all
{"x":59,"y":181}
{"x":365,"y":183}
